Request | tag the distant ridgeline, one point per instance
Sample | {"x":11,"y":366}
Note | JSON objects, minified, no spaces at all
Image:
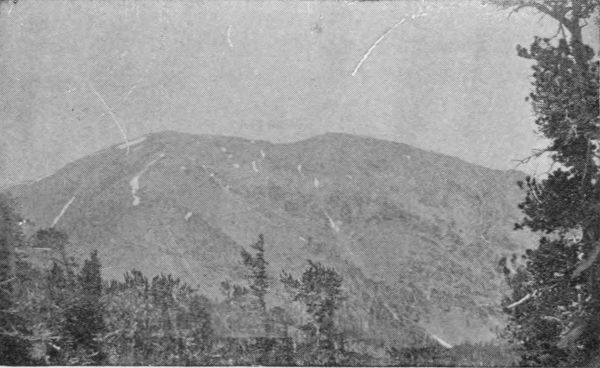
{"x":369,"y":253}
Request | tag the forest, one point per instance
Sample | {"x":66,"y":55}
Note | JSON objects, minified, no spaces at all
{"x":56,"y":311}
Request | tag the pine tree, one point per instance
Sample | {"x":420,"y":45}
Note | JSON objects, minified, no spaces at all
{"x":61,"y":293}
{"x":556,"y":298}
{"x":258,"y":280}
{"x":320,"y":289}
{"x":14,"y":346}
{"x":258,"y":277}
{"x":84,"y":317}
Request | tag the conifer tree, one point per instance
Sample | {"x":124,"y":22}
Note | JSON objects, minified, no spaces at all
{"x":257,"y":276}
{"x":62,"y":292}
{"x":320,"y":290}
{"x":258,"y":287}
{"x":556,"y":298}
{"x":13,"y":344}
{"x":84,"y":317}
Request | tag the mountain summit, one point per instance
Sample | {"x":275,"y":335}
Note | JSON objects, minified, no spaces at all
{"x":416,"y":235}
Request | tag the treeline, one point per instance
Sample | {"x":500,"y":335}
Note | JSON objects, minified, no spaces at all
{"x":54,"y":311}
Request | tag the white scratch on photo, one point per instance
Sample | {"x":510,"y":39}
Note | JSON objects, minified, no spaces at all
{"x":111,"y":113}
{"x":62,"y":212}
{"x":229,"y":37}
{"x":366,"y":55}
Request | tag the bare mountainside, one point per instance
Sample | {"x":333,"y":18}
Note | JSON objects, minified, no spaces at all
{"x":417,"y":235}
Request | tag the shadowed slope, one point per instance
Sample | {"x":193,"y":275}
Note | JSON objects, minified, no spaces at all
{"x":417,"y":235}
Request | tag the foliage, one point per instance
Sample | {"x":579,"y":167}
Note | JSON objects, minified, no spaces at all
{"x":464,"y":355}
{"x":57,"y":241}
{"x":319,"y":289}
{"x":162,"y":322}
{"x":84,"y":316}
{"x":556,"y":296}
{"x":58,"y":313}
{"x":275,"y":351}
{"x":13,"y":345}
{"x":62,"y":314}
{"x":66,"y":313}
{"x":258,"y":334}
{"x":42,"y":301}
{"x":257,"y":274}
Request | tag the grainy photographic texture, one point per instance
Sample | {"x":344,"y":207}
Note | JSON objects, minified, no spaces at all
{"x":298,"y":182}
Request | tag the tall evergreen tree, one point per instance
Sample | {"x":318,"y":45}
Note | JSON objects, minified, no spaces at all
{"x":258,"y":280}
{"x":61,"y":291}
{"x":84,"y":317}
{"x":13,"y":345}
{"x":556,"y":301}
{"x":320,"y":289}
{"x":257,"y":276}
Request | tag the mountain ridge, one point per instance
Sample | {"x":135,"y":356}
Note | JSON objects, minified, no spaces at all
{"x":517,"y":173}
{"x":417,"y":233}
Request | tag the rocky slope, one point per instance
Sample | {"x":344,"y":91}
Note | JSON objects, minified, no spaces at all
{"x":417,"y":235}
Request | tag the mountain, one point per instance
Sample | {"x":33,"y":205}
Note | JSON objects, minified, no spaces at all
{"x":416,"y":235}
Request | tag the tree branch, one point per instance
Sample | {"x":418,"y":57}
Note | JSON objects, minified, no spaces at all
{"x":520,"y":301}
{"x":588,"y":262}
{"x":534,"y":155}
{"x":557,"y":11}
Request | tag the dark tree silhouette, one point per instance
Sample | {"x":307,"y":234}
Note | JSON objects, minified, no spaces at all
{"x":556,"y":301}
{"x":13,"y":344}
{"x":319,"y":289}
{"x":257,"y":276}
{"x":84,"y":317}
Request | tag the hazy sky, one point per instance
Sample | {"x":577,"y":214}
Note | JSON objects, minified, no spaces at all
{"x":447,"y":81}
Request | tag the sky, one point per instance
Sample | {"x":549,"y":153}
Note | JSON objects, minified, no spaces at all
{"x":78,"y":76}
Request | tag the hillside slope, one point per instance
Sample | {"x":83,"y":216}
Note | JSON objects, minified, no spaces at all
{"x":417,"y":235}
